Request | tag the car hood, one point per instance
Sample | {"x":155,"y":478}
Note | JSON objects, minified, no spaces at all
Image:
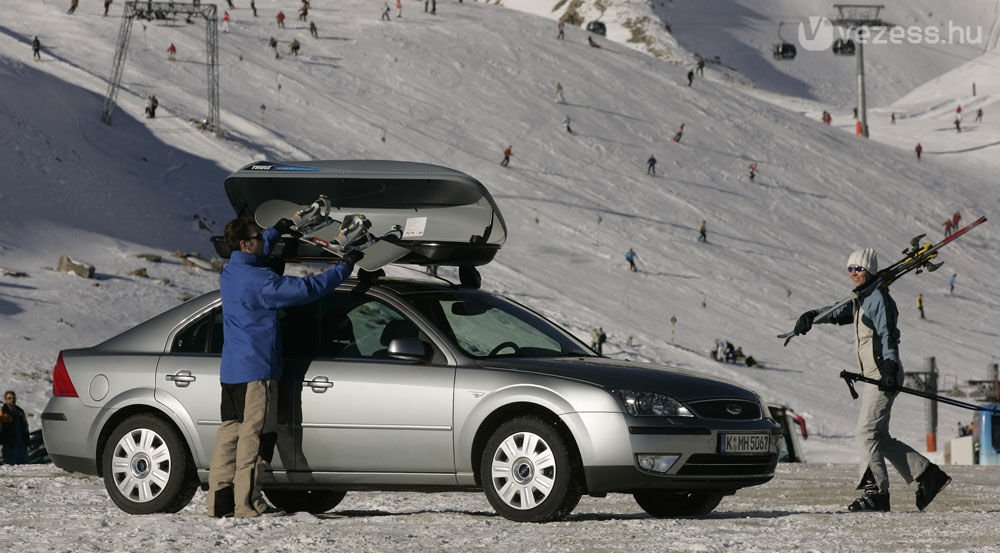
{"x":615,"y":374}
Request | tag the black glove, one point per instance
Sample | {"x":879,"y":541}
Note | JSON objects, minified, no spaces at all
{"x":888,"y":369}
{"x":352,"y":257}
{"x":284,"y":226}
{"x":805,"y":323}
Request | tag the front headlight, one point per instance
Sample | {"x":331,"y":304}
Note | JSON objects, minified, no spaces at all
{"x":650,"y":404}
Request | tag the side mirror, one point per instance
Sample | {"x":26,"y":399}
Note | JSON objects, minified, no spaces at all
{"x":410,"y":349}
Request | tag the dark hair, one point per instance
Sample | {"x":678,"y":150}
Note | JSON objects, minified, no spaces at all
{"x":241,"y":228}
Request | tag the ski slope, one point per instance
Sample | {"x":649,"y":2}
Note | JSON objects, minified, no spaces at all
{"x":454,"y":89}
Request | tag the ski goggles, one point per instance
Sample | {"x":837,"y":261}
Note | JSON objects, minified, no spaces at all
{"x":851,"y":269}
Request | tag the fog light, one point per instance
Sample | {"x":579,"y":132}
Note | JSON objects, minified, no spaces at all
{"x":657,"y":463}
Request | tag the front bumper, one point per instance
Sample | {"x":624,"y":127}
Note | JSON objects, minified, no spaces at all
{"x":611,"y":465}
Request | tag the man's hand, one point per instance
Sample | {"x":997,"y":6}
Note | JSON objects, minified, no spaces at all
{"x":284,"y":226}
{"x":888,"y":369}
{"x":805,"y":323}
{"x":352,"y":257}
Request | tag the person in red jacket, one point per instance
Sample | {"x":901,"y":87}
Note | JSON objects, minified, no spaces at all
{"x":506,"y":156}
{"x":919,"y":149}
{"x":171,"y":52}
{"x":280,"y":18}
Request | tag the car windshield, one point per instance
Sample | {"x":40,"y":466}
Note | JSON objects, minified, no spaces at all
{"x":485,"y":326}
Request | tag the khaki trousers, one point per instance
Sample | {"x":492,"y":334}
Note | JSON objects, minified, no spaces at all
{"x":243,"y":450}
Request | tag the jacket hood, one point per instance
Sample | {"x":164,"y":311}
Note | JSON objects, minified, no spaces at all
{"x":611,"y":374}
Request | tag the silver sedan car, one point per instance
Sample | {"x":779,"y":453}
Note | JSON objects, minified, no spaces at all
{"x":410,"y":385}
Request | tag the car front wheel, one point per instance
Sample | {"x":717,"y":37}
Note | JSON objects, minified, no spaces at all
{"x":310,"y":501}
{"x":527,"y":471}
{"x":147,"y":467}
{"x":663,"y":504}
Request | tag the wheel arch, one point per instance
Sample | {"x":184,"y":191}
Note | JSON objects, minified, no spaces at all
{"x":120,"y":415}
{"x":519,"y":409}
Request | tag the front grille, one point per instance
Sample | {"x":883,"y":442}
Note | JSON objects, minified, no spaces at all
{"x":720,"y":409}
{"x":711,"y":464}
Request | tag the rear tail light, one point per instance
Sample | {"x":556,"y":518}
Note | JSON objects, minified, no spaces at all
{"x":62,"y":386}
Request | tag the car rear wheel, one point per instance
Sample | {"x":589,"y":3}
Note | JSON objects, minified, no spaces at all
{"x":527,"y":471}
{"x":310,"y":501}
{"x":147,"y":467}
{"x":662,"y":504}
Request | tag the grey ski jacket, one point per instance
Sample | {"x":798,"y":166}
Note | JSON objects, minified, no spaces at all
{"x":874,"y":316}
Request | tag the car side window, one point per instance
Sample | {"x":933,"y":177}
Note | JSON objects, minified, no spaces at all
{"x":353,"y":326}
{"x":202,"y":336}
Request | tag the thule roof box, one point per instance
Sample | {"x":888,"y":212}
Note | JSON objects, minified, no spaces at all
{"x":443,"y":216}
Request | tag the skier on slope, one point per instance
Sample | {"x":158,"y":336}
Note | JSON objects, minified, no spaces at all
{"x":919,"y":150}
{"x":313,"y":31}
{"x":506,"y":156}
{"x":874,"y":317}
{"x":280,"y":18}
{"x":567,"y":121}
{"x":560,"y":99}
{"x":679,"y":134}
{"x":753,"y":171}
{"x":171,"y":52}
{"x":702,"y":232}
{"x":273,"y":44}
{"x":690,"y":77}
{"x":631,"y":257}
{"x":651,"y":166}
{"x":36,"y":49}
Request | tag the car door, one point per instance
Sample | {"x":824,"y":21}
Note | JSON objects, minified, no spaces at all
{"x":363,"y":411}
{"x":188,"y":375}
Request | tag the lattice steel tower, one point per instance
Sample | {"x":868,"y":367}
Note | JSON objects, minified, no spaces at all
{"x":147,"y":9}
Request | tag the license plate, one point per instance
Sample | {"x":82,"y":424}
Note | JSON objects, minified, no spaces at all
{"x":744,"y":443}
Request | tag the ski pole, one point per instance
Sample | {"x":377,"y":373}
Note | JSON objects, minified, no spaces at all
{"x":850,"y":378}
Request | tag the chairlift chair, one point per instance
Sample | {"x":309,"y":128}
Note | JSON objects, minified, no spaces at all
{"x":783,"y":50}
{"x":843,"y":47}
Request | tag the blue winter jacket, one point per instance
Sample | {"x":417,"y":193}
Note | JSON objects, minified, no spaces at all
{"x":252,"y":294}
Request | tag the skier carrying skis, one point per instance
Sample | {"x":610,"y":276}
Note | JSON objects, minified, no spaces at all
{"x":874,"y":315}
{"x":679,"y":134}
{"x":919,"y":149}
{"x":631,"y":257}
{"x":651,"y":166}
{"x":506,"y":156}
{"x":36,"y":49}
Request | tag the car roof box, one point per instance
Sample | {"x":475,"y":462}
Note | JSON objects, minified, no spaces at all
{"x":445,"y":217}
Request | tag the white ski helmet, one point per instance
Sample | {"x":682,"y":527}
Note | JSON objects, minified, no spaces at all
{"x":864,"y":258}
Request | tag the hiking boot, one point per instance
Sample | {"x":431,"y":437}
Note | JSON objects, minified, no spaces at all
{"x":872,"y":501}
{"x":929,"y":484}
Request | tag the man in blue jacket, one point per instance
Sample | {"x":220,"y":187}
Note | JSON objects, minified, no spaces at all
{"x":252,"y":295}
{"x":874,"y":317}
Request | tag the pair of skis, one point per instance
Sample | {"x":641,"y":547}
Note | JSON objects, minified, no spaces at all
{"x":918,"y":257}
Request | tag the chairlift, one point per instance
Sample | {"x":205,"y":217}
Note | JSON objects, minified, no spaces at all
{"x":843,"y":47}
{"x":783,"y":50}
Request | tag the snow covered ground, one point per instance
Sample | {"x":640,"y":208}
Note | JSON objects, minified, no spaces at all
{"x":454,"y":89}
{"x":802,"y":509}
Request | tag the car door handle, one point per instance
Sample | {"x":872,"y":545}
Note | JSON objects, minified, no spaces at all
{"x":319,"y":384}
{"x":181,"y":378}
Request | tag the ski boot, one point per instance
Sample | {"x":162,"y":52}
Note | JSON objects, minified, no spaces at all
{"x":871,"y":500}
{"x":930,"y":484}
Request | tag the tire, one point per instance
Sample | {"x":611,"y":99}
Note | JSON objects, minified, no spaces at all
{"x":147,"y":467}
{"x":310,"y":501}
{"x":662,"y":504}
{"x":527,"y":471}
